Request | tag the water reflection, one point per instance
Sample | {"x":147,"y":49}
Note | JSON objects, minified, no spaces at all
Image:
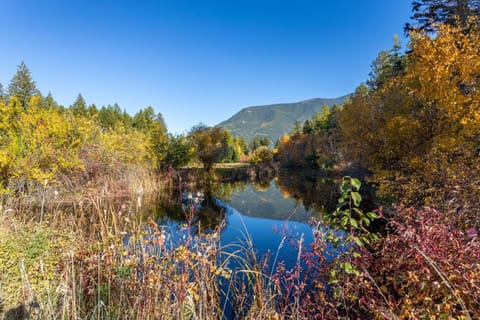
{"x":271,"y":215}
{"x":289,"y":196}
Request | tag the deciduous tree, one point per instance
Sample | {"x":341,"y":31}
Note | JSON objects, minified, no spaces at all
{"x":211,"y":144}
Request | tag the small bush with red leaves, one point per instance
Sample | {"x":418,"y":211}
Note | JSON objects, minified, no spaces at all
{"x":424,"y":268}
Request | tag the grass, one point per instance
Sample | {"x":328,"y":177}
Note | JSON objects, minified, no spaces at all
{"x":102,"y":259}
{"x":78,"y":264}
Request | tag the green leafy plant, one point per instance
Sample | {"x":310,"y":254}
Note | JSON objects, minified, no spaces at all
{"x":349,"y":217}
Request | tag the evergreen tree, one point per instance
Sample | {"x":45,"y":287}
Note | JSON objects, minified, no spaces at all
{"x":110,"y":116}
{"x":127,"y":120}
{"x":49,"y":103}
{"x":427,"y":13}
{"x":259,"y":141}
{"x":92,"y":110}
{"x":297,"y":129}
{"x":79,"y":106}
{"x":176,"y":152}
{"x":388,"y":64}
{"x":22,"y":86}
{"x":307,"y":127}
{"x":144,"y":120}
{"x":2,"y":94}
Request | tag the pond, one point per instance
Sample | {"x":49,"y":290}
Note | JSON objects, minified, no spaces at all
{"x":271,"y":215}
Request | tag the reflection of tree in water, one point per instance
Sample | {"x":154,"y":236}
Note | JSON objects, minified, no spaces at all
{"x":317,"y":193}
{"x":262,"y":184}
{"x":197,"y":203}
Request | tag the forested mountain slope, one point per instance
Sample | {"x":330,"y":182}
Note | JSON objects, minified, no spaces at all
{"x":276,"y":119}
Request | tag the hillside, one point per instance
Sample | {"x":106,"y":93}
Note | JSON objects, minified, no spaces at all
{"x":276,"y":119}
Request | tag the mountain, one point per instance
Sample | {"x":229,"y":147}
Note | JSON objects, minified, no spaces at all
{"x":275,"y":120}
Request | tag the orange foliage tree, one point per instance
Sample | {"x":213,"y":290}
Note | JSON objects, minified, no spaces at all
{"x":419,"y":132}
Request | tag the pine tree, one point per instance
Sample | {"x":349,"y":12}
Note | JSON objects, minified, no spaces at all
{"x":428,"y":13}
{"x":79,"y":106}
{"x":92,"y":110}
{"x":22,"y":86}
{"x":110,"y":116}
{"x":388,"y":64}
{"x":2,"y":94}
{"x":50,"y":103}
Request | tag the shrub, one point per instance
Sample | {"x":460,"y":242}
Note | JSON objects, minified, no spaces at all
{"x":261,"y":155}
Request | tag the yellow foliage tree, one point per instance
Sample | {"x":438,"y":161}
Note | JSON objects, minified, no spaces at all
{"x":419,"y":132}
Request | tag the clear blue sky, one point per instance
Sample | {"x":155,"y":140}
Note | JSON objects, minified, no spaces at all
{"x":196,"y":60}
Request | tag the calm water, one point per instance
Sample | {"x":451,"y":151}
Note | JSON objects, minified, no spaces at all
{"x":273,"y":214}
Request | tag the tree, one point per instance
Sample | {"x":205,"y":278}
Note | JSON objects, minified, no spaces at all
{"x":177,"y":152}
{"x":110,"y":117}
{"x":297,"y":129}
{"x":233,"y":154}
{"x":144,"y":120}
{"x":79,"y":106}
{"x":22,"y":86}
{"x":259,"y":141}
{"x":92,"y":110}
{"x":308,"y":127}
{"x":49,"y":103}
{"x":428,"y":13}
{"x":2,"y":94}
{"x":427,"y":115}
{"x":388,"y":64}
{"x":211,"y":144}
{"x":261,"y":155}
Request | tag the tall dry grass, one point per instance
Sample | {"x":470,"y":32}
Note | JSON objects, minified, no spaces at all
{"x":96,"y":256}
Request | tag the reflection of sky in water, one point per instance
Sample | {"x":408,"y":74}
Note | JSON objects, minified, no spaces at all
{"x":266,"y":217}
{"x":266,"y":235}
{"x":268,"y":203}
{"x":274,"y":222}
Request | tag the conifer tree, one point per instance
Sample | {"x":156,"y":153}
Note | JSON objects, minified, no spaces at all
{"x":2,"y":94}
{"x":388,"y":64}
{"x":92,"y":110}
{"x":79,"y":106}
{"x":49,"y":102}
{"x":428,"y":13}
{"x":22,"y":86}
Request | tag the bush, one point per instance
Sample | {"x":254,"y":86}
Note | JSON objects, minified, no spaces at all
{"x":426,"y":268}
{"x":261,"y":155}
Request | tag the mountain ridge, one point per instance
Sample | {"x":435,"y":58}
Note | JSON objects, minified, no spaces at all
{"x":275,"y":120}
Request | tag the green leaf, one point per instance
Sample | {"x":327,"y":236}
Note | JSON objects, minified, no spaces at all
{"x":357,"y":198}
{"x":347,"y":266}
{"x":366,"y":221}
{"x":372,"y":215}
{"x":354,"y":223}
{"x":355,"y":183}
{"x":359,"y":212}
{"x":358,"y":241}
{"x":344,"y":221}
{"x":356,"y":255}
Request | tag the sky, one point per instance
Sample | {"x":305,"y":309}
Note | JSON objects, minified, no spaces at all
{"x":196,"y":61}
